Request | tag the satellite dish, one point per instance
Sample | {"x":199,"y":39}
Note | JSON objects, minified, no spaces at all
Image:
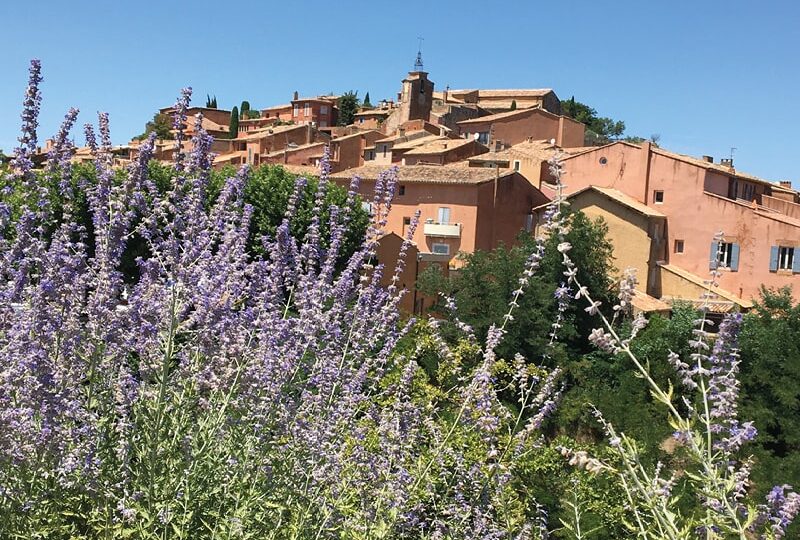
{"x":476,"y":136}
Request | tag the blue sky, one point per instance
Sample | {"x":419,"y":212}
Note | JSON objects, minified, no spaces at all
{"x":704,"y":75}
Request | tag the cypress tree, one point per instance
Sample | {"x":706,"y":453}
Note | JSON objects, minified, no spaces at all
{"x":245,"y":107}
{"x":233,"y":127}
{"x":366,"y":103}
{"x":513,"y":104}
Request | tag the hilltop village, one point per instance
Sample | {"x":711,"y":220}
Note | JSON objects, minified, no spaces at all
{"x":474,"y":163}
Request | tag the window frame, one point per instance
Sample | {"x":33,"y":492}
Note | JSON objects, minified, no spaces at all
{"x":439,"y":244}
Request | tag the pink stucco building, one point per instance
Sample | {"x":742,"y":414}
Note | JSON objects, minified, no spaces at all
{"x":760,"y":219}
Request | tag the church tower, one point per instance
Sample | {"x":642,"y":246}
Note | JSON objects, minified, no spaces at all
{"x":416,"y":98}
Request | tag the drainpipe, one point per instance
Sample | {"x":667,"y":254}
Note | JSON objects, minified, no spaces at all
{"x":646,"y":148}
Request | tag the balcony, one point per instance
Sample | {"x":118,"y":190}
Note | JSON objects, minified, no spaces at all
{"x":442,"y":230}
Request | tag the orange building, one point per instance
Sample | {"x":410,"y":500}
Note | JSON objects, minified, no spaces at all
{"x":760,"y":219}
{"x":461,"y":208}
{"x":513,"y":127}
{"x":317,"y":111}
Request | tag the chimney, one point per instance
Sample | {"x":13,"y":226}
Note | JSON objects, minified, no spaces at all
{"x":444,"y":94}
{"x":726,"y":162}
{"x":785,"y":183}
{"x":708,"y":159}
{"x":295,"y":96}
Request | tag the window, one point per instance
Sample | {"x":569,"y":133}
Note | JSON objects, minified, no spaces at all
{"x":296,"y":110}
{"x":385,"y":146}
{"x":658,"y":196}
{"x":323,"y":109}
{"x":401,"y":190}
{"x":307,"y":109}
{"x":483,"y":137}
{"x":725,"y":255}
{"x":440,"y":249}
{"x":748,"y":192}
{"x":406,"y":224}
{"x":444,"y":215}
{"x":528,"y":222}
{"x":782,"y":258}
{"x":678,"y":248}
{"x":516,"y":165}
{"x":367,"y":207}
{"x":603,"y":160}
{"x":323,"y":123}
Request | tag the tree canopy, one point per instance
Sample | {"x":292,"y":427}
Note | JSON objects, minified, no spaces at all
{"x":233,"y":127}
{"x":161,"y":124}
{"x":348,"y":107}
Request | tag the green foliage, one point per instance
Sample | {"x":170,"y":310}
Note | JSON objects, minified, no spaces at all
{"x":611,"y":384}
{"x":253,"y":114}
{"x":161,"y":124}
{"x":513,"y":104}
{"x":233,"y":127}
{"x":483,"y":287}
{"x":211,"y":103}
{"x":268,"y":190}
{"x":600,"y":130}
{"x":770,"y":378}
{"x":348,"y":106}
{"x":366,"y":103}
{"x":244,"y":109}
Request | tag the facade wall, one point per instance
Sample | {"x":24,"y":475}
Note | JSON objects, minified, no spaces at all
{"x":617,"y":166}
{"x":322,"y":113}
{"x":534,"y":125}
{"x":571,"y":133}
{"x":637,"y":239}
{"x":458,"y":153}
{"x":307,"y":155}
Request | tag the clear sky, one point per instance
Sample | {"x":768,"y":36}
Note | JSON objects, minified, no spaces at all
{"x":704,"y":75}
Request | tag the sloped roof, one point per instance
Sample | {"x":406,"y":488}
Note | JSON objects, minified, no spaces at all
{"x":697,"y":280}
{"x":519,"y":92}
{"x":428,"y":174}
{"x":648,"y":304}
{"x":622,"y":199}
{"x":500,"y":116}
{"x":439,"y":146}
{"x":413,"y":143}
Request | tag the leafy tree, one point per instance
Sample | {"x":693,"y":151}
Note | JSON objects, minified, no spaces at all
{"x":513,"y":104}
{"x":484,"y":285}
{"x":600,"y":130}
{"x":211,"y":103}
{"x":233,"y":127}
{"x":161,"y":124}
{"x":268,"y":189}
{"x":770,"y":377}
{"x":244,"y":109}
{"x":348,"y":106}
{"x":366,"y":103}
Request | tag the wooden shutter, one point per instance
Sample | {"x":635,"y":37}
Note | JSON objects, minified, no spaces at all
{"x":773,"y":258}
{"x":735,"y":257}
{"x":713,"y":262}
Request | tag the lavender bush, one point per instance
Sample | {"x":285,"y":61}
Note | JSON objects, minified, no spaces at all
{"x":226,"y":394}
{"x":222,"y":395}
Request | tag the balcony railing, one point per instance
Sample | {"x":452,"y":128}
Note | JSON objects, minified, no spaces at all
{"x":443,"y":230}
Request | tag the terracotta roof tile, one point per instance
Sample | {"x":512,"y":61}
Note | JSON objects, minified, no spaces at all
{"x":429,"y":174}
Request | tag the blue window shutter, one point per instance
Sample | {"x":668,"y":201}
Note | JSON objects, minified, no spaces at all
{"x":735,"y":257}
{"x":773,"y":258}
{"x":796,"y":260}
{"x":713,"y":262}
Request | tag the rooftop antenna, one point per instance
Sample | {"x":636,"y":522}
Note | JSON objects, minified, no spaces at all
{"x":733,"y":149}
{"x":418,"y":63}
